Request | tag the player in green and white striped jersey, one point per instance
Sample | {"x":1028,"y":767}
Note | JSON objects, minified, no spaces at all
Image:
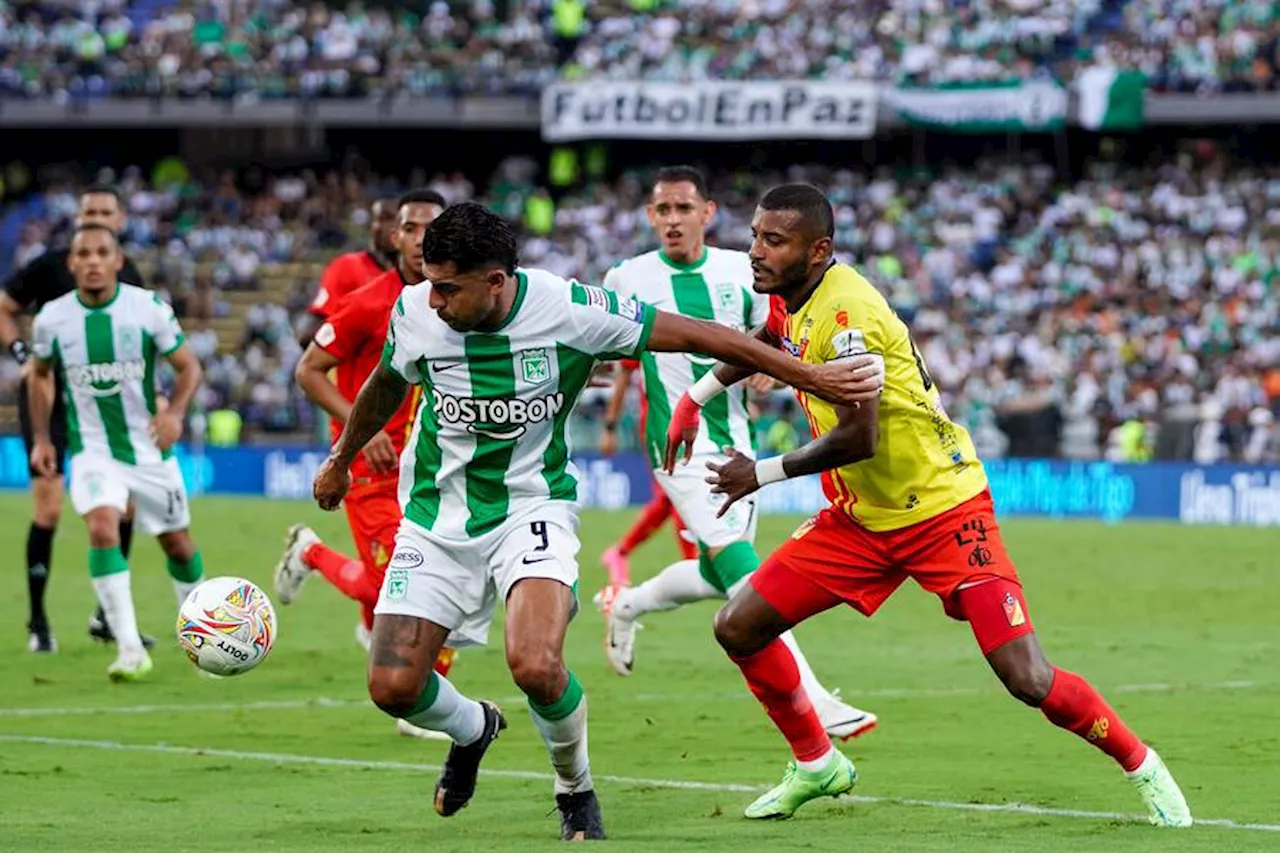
{"x":688,"y":277}
{"x":105,"y":338}
{"x":487,"y":487}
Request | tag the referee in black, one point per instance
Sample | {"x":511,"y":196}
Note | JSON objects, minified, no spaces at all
{"x":43,"y":280}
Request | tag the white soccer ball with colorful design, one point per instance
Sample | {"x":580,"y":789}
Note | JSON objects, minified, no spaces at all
{"x":227,"y":625}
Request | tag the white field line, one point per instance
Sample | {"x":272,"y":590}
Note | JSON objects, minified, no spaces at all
{"x":322,"y":702}
{"x":631,"y":781}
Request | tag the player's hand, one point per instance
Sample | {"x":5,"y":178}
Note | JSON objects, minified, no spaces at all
{"x":762,"y":383}
{"x":681,"y":433}
{"x":44,"y":459}
{"x":734,"y":479}
{"x":849,"y":381}
{"x":331,"y":484}
{"x":381,"y":454}
{"x":165,"y":429}
{"x":609,"y":442}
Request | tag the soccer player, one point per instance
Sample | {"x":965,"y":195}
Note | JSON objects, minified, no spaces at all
{"x":488,"y":493}
{"x":350,"y":345}
{"x":104,"y":339}
{"x":656,"y":512}
{"x":353,"y":270}
{"x":687,"y":277}
{"x":909,"y":499}
{"x":43,"y":280}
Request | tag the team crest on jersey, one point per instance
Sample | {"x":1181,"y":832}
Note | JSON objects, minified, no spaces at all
{"x":127,"y":338}
{"x":726,"y":294}
{"x":535,"y":366}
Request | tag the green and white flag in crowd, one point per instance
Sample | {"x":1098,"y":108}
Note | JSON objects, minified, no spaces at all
{"x":989,"y":107}
{"x":1111,"y":98}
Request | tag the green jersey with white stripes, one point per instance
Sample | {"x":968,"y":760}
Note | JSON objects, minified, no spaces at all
{"x":718,"y":288}
{"x":107,"y":357}
{"x":488,"y":440}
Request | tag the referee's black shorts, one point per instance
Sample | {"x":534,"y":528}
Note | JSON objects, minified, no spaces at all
{"x":57,"y":427}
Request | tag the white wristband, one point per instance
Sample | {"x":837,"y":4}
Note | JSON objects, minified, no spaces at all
{"x":769,"y":470}
{"x":705,"y":389}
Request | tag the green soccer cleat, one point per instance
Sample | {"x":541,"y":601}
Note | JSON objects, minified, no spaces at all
{"x":800,"y":786}
{"x":130,"y":667}
{"x":1160,"y":793}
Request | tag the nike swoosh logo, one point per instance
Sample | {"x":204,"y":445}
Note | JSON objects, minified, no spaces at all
{"x":441,"y":368}
{"x":529,"y":562}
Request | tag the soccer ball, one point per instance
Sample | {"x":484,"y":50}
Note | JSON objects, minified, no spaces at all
{"x":226,"y":626}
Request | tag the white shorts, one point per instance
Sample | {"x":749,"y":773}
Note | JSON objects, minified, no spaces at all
{"x":457,"y":584}
{"x":697,"y":505}
{"x":157,"y":491}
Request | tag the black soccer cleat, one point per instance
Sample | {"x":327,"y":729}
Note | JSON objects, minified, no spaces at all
{"x":40,"y":639}
{"x":580,"y":818}
{"x":100,"y":631}
{"x":457,"y":783}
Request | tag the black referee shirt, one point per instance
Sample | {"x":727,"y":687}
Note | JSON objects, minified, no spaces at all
{"x":47,"y":277}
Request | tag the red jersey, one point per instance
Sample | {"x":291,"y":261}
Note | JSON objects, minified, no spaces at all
{"x":344,"y":274}
{"x":354,"y":334}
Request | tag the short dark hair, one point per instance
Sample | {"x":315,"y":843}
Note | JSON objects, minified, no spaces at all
{"x":806,"y":200}
{"x":683,"y":174}
{"x":421,"y":196}
{"x":95,"y":226}
{"x":470,"y":236}
{"x":103,"y":189}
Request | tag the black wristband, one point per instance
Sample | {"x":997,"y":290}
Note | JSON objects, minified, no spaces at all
{"x":20,"y":351}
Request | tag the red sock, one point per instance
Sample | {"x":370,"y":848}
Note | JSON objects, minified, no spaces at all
{"x":346,"y":574}
{"x":1074,"y":705}
{"x":773,"y":677}
{"x":653,"y":516}
{"x":687,"y":548}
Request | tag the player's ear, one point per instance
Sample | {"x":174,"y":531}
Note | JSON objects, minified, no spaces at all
{"x":496,"y":278}
{"x":820,"y":250}
{"x":117,"y":261}
{"x":711,"y":212}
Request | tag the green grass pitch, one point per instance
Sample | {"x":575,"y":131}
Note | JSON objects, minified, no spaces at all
{"x":1177,"y":626}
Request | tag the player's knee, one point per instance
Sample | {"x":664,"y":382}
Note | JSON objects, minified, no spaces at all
{"x":734,"y":634}
{"x":537,"y":672}
{"x":104,"y":529}
{"x":1029,"y":682}
{"x":395,"y":691}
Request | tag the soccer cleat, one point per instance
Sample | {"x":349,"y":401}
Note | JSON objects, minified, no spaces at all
{"x":130,"y":667}
{"x":840,"y":720}
{"x":580,"y":818}
{"x":40,"y":639}
{"x":619,"y":630}
{"x":291,"y":572}
{"x":100,"y":632}
{"x":1165,"y":804}
{"x":615,"y":562}
{"x":800,"y":786}
{"x":457,"y":783}
{"x":408,"y":729}
{"x":364,"y":637}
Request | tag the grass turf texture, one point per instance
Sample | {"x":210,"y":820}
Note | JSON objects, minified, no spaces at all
{"x":1176,"y":626}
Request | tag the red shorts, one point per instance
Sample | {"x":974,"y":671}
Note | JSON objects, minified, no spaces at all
{"x":373,"y":512}
{"x":957,"y":555}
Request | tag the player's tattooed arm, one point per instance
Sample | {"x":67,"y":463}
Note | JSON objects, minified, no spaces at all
{"x":381,"y":395}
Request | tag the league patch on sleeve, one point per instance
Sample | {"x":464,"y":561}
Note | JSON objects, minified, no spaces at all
{"x":325,"y":335}
{"x":847,"y":343}
{"x":631,"y":309}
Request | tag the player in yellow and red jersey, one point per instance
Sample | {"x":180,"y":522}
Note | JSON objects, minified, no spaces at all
{"x":909,"y":499}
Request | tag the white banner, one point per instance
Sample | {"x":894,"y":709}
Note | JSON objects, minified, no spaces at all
{"x":709,"y":110}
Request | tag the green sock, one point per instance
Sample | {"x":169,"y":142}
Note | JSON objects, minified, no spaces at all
{"x":186,"y":576}
{"x":563,"y":726}
{"x":106,"y":561}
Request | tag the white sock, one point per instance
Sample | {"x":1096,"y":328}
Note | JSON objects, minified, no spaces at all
{"x":817,"y":763}
{"x":183,"y":588}
{"x":452,"y":713}
{"x":677,"y":584}
{"x":808,"y":680}
{"x":116,"y":597}
{"x":566,"y":741}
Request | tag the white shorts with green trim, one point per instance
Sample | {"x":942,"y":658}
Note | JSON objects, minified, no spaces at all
{"x":691,"y":495}
{"x":158,"y":494}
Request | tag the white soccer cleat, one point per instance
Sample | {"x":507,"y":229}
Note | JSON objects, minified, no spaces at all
{"x":619,"y":630}
{"x":408,"y":729}
{"x":130,"y":667}
{"x":364,"y":636}
{"x":1165,"y":804}
{"x":291,"y":572}
{"x":841,"y":720}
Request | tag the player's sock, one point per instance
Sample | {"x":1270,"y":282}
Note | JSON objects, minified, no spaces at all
{"x":808,"y":680}
{"x":110,"y":575}
{"x":563,"y":725}
{"x":39,"y":563}
{"x":677,"y":584}
{"x":732,"y":565}
{"x":441,"y":708}
{"x":126,"y":536}
{"x":773,"y":677}
{"x":1074,"y":705}
{"x":186,"y":576}
{"x":651,"y":518}
{"x":346,"y":574}
{"x":366,"y":615}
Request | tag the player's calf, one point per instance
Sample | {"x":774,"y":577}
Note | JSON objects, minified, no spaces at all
{"x":184,"y":562}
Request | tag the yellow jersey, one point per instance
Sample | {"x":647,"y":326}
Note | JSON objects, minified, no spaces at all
{"x":924,"y":464}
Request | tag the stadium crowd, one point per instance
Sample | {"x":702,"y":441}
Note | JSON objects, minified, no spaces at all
{"x":1056,"y":319}
{"x":60,"y":49}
